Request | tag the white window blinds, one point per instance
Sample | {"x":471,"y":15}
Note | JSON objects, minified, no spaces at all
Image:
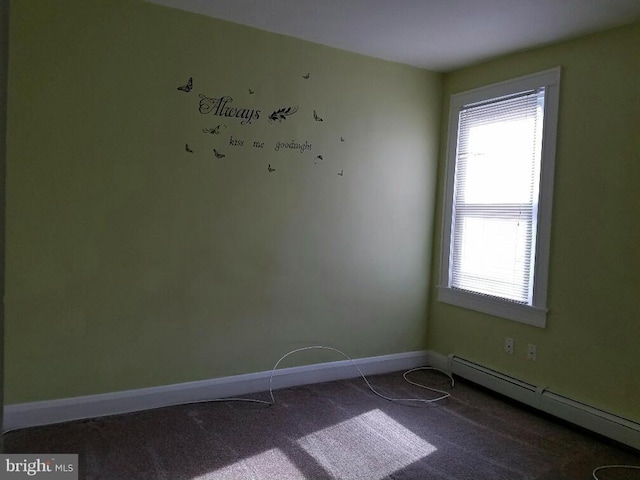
{"x":495,"y":202}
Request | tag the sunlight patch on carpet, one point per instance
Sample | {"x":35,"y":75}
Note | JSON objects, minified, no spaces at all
{"x":267,"y":465}
{"x":369,"y":447}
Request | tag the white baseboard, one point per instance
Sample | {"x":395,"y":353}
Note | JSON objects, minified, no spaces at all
{"x":607,"y":424}
{"x":55,"y":411}
{"x":47,"y":412}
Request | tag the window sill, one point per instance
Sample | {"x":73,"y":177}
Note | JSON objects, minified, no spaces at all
{"x":535,"y":316}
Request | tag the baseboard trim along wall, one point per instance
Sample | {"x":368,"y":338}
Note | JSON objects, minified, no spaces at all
{"x":55,"y":411}
{"x":62,"y":410}
{"x":607,"y":424}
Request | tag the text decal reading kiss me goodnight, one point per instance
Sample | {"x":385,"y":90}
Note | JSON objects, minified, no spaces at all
{"x":222,"y":107}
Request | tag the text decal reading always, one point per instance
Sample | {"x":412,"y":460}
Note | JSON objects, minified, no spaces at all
{"x":222,"y":107}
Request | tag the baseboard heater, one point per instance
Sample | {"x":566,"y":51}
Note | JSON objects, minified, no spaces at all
{"x":612,"y":426}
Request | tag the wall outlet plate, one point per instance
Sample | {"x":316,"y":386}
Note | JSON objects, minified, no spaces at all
{"x":532,"y":352}
{"x":508,"y":345}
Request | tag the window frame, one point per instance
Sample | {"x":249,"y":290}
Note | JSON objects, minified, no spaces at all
{"x":536,"y":313}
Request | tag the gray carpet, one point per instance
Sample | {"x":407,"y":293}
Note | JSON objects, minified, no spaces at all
{"x":336,"y":430}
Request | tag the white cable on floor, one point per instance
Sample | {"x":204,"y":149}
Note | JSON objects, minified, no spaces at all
{"x":315,"y":347}
{"x":273,"y":400}
{"x":613,"y":466}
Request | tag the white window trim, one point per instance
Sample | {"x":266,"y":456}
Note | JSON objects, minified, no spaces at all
{"x":535,"y":314}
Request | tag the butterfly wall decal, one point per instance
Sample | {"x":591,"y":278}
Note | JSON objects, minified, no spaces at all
{"x":188,"y":86}
{"x":316,"y":117}
{"x":251,"y":92}
{"x":270,"y":168}
{"x":341,"y":173}
{"x":214,"y":131}
{"x":187,"y":149}
{"x":306,"y":77}
{"x":218,"y":154}
{"x":342,"y":139}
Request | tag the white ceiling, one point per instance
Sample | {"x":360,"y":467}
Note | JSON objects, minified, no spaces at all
{"x":438,"y":35}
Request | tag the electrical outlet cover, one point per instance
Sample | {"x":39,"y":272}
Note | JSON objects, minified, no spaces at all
{"x":508,"y":345}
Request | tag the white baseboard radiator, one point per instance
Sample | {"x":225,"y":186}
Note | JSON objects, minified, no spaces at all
{"x":612,"y":426}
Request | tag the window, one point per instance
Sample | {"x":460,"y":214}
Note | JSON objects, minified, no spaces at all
{"x":498,"y":194}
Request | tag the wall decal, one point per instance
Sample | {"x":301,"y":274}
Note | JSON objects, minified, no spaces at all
{"x":189,"y":85}
{"x":222,"y":108}
{"x":293,"y":145}
{"x":236,"y":142}
{"x":282,"y":114}
{"x":214,"y":131}
{"x":225,"y":106}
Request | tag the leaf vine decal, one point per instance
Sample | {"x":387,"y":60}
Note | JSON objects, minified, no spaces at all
{"x":282,"y":114}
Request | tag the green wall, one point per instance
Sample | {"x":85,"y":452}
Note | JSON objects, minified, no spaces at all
{"x":132,"y":262}
{"x":589,"y":349}
{"x":4,"y":61}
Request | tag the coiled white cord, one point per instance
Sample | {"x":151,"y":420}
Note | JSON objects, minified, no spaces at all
{"x":613,"y":466}
{"x":442,"y":396}
{"x":442,"y":393}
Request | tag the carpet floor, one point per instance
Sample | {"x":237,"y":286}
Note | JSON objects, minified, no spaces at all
{"x":334,"y":430}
